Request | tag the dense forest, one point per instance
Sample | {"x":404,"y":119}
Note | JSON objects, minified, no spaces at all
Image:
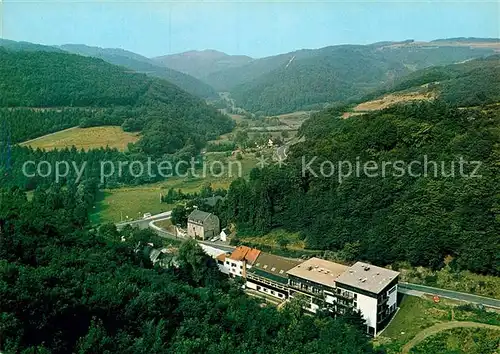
{"x":413,"y":56}
{"x":420,"y":218}
{"x":104,"y":95}
{"x":309,"y":79}
{"x":472,"y":83}
{"x":335,"y":76}
{"x":50,"y":79}
{"x":147,"y":66}
{"x":69,"y":288}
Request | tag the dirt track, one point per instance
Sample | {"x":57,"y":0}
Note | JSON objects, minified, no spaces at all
{"x":443,"y":327}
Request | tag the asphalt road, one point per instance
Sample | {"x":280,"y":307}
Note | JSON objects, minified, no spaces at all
{"x":281,"y":152}
{"x":149,"y":223}
{"x":144,"y":223}
{"x":415,"y":289}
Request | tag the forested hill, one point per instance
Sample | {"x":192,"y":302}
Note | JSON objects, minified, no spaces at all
{"x":27,"y":46}
{"x":107,"y":95}
{"x":470,"y":83}
{"x":338,"y":74}
{"x":310,"y":78}
{"x":68,"y":288}
{"x":51,"y":79}
{"x":418,"y":212}
{"x":142,"y":64}
{"x":201,"y":64}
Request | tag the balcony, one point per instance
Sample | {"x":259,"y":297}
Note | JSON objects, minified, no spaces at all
{"x":303,"y":288}
{"x":345,"y":296}
{"x":382,"y":301}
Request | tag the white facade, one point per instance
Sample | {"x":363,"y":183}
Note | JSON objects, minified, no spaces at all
{"x":236,"y":267}
{"x":223,"y":236}
{"x":223,"y":268}
{"x":393,"y":298}
{"x":264,"y":289}
{"x":368,"y":308}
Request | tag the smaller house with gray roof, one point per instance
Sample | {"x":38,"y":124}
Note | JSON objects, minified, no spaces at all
{"x":202,"y":225}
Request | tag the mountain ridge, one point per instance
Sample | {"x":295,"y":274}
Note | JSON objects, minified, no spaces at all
{"x":201,"y":63}
{"x":143,"y":64}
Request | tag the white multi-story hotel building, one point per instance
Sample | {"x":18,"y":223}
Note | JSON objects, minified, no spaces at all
{"x":327,"y":286}
{"x":371,"y":290}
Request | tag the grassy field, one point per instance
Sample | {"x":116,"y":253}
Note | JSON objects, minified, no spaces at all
{"x":272,"y":239}
{"x":166,"y":225}
{"x":115,"y":204}
{"x":460,"y":341}
{"x":393,"y":99}
{"x":416,"y":314}
{"x":85,"y":138}
{"x":295,"y":118}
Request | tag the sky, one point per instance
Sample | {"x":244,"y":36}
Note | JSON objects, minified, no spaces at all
{"x":254,"y":28}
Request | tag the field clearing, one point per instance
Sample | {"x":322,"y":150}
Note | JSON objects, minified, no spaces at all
{"x":238,"y":118}
{"x":166,"y":225}
{"x":273,"y":238}
{"x":85,"y":138}
{"x":133,"y":202}
{"x":460,"y":340}
{"x":451,"y":43}
{"x":417,"y":314}
{"x":291,"y":134}
{"x":393,"y":99}
{"x":295,"y":119}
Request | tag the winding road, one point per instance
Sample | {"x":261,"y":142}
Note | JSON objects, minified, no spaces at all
{"x":150,"y":223}
{"x":281,"y":152}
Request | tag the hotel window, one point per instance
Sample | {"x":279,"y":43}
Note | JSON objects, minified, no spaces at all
{"x":392,"y":290}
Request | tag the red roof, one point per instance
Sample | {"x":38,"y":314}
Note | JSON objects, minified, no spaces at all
{"x":245,"y":253}
{"x":252,"y":255}
{"x":221,"y":257}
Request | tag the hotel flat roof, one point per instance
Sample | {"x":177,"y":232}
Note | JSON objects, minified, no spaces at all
{"x":367,"y":277}
{"x":319,"y":271}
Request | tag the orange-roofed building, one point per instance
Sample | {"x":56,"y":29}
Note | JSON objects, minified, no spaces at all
{"x":240,"y":260}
